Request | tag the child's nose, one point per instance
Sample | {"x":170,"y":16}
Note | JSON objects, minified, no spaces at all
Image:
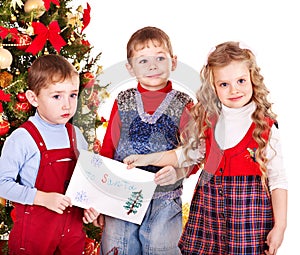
{"x":66,"y":104}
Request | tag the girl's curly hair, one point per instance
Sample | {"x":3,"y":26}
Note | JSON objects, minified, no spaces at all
{"x":208,"y":106}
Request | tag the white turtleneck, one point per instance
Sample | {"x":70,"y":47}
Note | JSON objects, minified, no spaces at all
{"x":232,"y":126}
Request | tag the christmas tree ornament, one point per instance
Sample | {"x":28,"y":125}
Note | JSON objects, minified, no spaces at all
{"x":79,"y":9}
{"x":2,"y":201}
{"x":14,"y":3}
{"x":43,"y":33}
{"x":23,"y":41}
{"x":36,"y":7}
{"x":87,"y":80}
{"x":97,"y":146}
{"x":99,"y":70}
{"x":5,"y":58}
{"x":17,"y":72}
{"x":30,"y":29}
{"x":23,"y":107}
{"x":5,"y":79}
{"x":13,"y":18}
{"x":8,"y":32}
{"x":86,"y":17}
{"x":4,"y":125}
{"x":21,"y":97}
{"x":91,"y":247}
{"x":48,"y":2}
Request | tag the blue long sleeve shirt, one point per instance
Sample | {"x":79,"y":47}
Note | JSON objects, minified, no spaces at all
{"x":20,"y":158}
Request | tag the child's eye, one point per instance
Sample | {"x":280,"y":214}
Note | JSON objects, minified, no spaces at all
{"x":56,"y":96}
{"x":74,"y":95}
{"x":223,"y":84}
{"x":143,"y":61}
{"x":241,"y":81}
{"x":160,"y":58}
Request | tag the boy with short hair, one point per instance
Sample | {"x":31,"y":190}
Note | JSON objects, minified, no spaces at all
{"x":38,"y":160}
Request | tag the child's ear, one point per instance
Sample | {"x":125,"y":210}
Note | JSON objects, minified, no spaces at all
{"x":174,"y":63}
{"x":130,"y":69}
{"x":32,"y":98}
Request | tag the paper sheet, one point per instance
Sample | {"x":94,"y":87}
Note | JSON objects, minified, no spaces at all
{"x":109,"y":187}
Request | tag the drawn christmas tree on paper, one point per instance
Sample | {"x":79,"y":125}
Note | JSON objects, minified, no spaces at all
{"x":134,"y":202}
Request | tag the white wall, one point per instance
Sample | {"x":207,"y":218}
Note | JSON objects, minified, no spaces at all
{"x":270,"y":28}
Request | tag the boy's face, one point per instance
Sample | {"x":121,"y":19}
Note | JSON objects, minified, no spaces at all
{"x":57,"y":103}
{"x":152,"y":66}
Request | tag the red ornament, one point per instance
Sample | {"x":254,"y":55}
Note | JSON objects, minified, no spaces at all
{"x":23,"y":41}
{"x":21,"y":97}
{"x":91,"y":247}
{"x":4,"y":127}
{"x":23,"y":106}
{"x":87,"y":80}
{"x":97,"y":146}
{"x":85,"y":43}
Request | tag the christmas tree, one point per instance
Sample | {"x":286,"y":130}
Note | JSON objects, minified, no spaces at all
{"x":31,"y":28}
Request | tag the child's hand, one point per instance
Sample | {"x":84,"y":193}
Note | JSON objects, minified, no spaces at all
{"x":274,"y":240}
{"x":166,"y":176}
{"x":135,"y":160}
{"x":100,"y":221}
{"x":142,"y":159}
{"x":90,"y":215}
{"x":53,"y":201}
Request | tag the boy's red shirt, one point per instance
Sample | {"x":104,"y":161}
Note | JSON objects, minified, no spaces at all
{"x":151,"y":101}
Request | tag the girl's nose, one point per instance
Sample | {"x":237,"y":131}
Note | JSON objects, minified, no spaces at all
{"x":234,"y":88}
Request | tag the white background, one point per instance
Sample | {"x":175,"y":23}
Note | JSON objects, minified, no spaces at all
{"x":270,"y":28}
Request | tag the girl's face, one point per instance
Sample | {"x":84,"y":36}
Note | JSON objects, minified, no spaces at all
{"x":152,"y":66}
{"x":57,"y":103}
{"x":233,"y":84}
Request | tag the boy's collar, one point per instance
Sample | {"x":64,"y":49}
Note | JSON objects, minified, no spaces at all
{"x":166,"y":89}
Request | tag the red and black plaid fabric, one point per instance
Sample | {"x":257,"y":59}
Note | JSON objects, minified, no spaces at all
{"x":229,"y":215}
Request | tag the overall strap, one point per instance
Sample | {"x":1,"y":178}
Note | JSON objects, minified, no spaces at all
{"x":33,"y":131}
{"x":72,"y":137}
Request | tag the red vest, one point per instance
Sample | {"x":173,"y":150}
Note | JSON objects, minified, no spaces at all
{"x":235,"y":161}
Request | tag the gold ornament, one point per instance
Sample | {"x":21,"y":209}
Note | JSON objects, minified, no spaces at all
{"x":77,"y":65}
{"x":13,"y":18}
{"x":2,"y":201}
{"x":72,"y":38}
{"x":30,"y":29}
{"x":5,"y":58}
{"x":79,"y":9}
{"x":74,"y":20}
{"x":99,"y":70}
{"x":37,"y":7}
{"x":5,"y":79}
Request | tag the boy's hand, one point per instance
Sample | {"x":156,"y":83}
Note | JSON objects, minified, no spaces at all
{"x":100,"y":221}
{"x":90,"y":215}
{"x":53,"y":201}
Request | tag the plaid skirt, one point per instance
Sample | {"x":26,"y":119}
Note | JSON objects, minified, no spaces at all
{"x":229,"y":215}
